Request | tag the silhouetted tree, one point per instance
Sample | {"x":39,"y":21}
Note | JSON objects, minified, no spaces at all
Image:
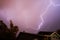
{"x":3,"y":26}
{"x":13,"y":29}
{"x":11,"y":24}
{"x":8,"y":33}
{"x":3,"y":30}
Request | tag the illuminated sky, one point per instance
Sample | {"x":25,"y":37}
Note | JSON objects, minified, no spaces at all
{"x":32,"y":15}
{"x":52,"y":17}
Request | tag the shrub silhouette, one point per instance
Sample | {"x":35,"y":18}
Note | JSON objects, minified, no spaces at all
{"x":8,"y":33}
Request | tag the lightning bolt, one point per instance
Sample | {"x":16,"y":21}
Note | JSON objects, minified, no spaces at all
{"x":41,"y":16}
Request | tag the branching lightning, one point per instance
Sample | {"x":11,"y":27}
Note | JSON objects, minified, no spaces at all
{"x":50,"y":4}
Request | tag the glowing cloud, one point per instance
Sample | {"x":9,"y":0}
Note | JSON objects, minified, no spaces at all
{"x":26,"y":13}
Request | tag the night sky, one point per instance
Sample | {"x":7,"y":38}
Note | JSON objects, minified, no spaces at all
{"x":28,"y":14}
{"x":51,"y":19}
